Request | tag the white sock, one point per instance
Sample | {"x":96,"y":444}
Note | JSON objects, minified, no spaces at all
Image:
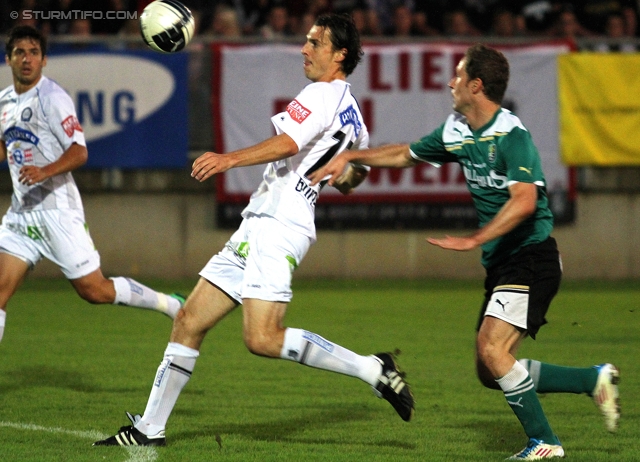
{"x":173,"y":374}
{"x":131,"y":293}
{"x":312,"y":350}
{"x":3,"y":317}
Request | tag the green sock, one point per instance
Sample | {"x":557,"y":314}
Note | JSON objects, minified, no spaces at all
{"x":521,"y":395}
{"x":549,"y":378}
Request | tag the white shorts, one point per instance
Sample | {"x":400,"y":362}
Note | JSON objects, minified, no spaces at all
{"x":58,"y":235}
{"x":258,"y":261}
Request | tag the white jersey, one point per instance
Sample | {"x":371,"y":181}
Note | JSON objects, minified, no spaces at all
{"x":324,"y":120}
{"x":37,"y":127}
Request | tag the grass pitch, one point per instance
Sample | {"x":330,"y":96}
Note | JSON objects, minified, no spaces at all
{"x":69,"y":370}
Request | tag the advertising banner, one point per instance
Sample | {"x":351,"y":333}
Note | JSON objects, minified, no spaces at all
{"x":599,"y":108}
{"x":132,"y":105}
{"x":403,"y":93}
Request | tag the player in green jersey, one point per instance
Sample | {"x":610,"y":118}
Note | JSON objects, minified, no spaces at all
{"x":523,"y":270}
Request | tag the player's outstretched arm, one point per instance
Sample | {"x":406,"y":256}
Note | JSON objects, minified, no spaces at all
{"x":389,"y":155}
{"x":275,"y":148}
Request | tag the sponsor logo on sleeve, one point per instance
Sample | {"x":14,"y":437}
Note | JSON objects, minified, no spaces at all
{"x":350,"y":116}
{"x":297,"y":111}
{"x":70,"y":125}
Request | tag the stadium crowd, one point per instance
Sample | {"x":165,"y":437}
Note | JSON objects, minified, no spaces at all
{"x":273,"y":19}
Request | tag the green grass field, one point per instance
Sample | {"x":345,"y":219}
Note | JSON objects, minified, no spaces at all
{"x":69,"y":370}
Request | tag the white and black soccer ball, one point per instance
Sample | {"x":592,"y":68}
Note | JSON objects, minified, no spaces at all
{"x":166,"y":25}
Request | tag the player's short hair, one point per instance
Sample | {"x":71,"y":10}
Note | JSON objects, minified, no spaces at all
{"x":23,"y":32}
{"x":490,"y":66}
{"x":344,"y":35}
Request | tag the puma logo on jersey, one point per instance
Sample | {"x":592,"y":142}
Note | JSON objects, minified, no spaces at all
{"x":501,"y":304}
{"x":525,"y":169}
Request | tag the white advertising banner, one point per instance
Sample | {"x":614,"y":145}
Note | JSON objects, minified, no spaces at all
{"x":403,"y":93}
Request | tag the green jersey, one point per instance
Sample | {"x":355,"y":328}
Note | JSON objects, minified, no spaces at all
{"x":492,"y":158}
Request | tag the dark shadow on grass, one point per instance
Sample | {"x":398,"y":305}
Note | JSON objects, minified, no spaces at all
{"x":496,"y":436}
{"x":45,"y":376}
{"x":291,"y":430}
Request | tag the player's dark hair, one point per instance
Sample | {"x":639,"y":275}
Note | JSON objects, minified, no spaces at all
{"x":490,"y":66}
{"x":24,"y":32}
{"x":344,"y":35}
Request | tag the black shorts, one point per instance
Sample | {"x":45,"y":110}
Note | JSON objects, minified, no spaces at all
{"x":536,"y":267}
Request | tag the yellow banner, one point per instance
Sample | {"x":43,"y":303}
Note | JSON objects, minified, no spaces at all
{"x":599,"y":97}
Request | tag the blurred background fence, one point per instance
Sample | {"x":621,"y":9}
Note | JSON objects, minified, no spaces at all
{"x":147,"y":116}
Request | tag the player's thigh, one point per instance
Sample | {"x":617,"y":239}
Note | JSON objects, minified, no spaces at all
{"x":261,"y":317}
{"x":12,"y":272}
{"x":203,"y":309}
{"x":275,"y":251}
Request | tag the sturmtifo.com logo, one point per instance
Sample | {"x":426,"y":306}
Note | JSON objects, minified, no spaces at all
{"x":73,"y":14}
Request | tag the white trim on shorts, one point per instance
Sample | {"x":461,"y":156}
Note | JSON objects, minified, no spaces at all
{"x":510,"y":303}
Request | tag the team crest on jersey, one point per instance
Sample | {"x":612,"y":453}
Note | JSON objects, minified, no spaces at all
{"x":26,"y":114}
{"x":297,"y":111}
{"x":70,"y":125}
{"x":493,"y":150}
{"x":350,"y":116}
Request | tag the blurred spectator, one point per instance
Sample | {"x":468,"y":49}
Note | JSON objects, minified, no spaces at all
{"x":252,"y":14}
{"x":225,"y":23}
{"x":402,"y":22}
{"x":421,"y":24}
{"x":381,"y":13}
{"x":362,"y":20}
{"x":593,"y":14}
{"x":303,"y":24}
{"x":616,"y":33}
{"x":568,"y":26}
{"x":506,"y":24}
{"x":630,"y":16}
{"x":456,"y":24}
{"x":80,"y":27}
{"x":277,"y":25}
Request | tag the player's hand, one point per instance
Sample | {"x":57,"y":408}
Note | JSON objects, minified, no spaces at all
{"x":209,"y":164}
{"x":30,"y":175}
{"x":334,"y":168}
{"x":454,"y":243}
{"x":343,"y":185}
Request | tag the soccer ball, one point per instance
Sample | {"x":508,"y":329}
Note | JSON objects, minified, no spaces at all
{"x":166,"y":25}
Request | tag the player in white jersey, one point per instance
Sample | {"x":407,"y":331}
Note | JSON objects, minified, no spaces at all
{"x":254,"y":269}
{"x":43,"y":142}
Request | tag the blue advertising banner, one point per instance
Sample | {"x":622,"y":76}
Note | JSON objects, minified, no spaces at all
{"x":132,"y":104}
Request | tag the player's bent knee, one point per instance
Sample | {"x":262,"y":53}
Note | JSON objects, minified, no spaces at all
{"x":260,"y":345}
{"x":91,"y":296}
